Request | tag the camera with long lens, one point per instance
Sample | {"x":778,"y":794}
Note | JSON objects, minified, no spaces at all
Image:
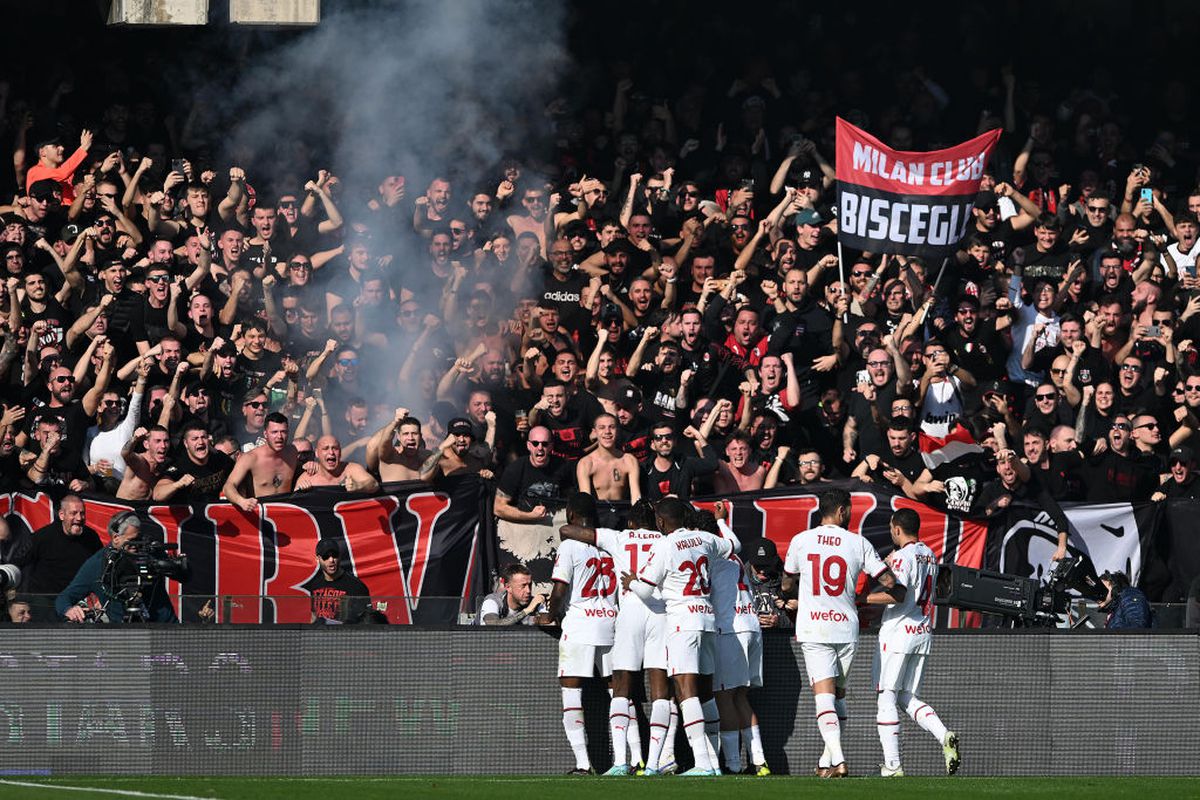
{"x":10,"y":576}
{"x":1024,"y":601}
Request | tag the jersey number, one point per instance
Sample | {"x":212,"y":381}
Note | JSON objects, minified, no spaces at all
{"x":925,"y":599}
{"x":697,"y":585}
{"x":632,"y":550}
{"x":831,"y":577}
{"x":602,"y":570}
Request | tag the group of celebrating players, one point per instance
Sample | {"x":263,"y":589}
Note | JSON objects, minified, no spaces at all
{"x":683,"y":611}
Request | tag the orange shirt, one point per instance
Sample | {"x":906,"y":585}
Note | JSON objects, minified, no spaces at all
{"x":62,"y":173}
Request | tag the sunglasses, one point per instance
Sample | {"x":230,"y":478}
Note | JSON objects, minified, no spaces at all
{"x":689,"y":194}
{"x":65,"y":379}
{"x":300,"y":265}
{"x":1120,"y":426}
{"x":348,"y":362}
{"x":457,"y":231}
{"x":1131,"y":368}
{"x":1178,"y":462}
{"x":1097,"y":209}
{"x":1046,"y":397}
{"x":1192,"y":387}
{"x":533,"y":443}
{"x":740,"y":227}
{"x":256,"y":404}
{"x":1057,"y":371}
{"x":287,"y":203}
{"x":662,"y":437}
{"x":1151,"y":426}
{"x":157,"y":279}
{"x":861,"y":273}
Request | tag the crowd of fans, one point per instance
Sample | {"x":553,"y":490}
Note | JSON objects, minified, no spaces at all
{"x":656,"y":307}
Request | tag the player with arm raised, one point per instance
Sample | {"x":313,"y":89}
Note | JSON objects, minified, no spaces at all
{"x":739,"y":654}
{"x":585,"y":588}
{"x":681,"y":564}
{"x":905,"y":638}
{"x":822,"y":565}
{"x":638,"y":639}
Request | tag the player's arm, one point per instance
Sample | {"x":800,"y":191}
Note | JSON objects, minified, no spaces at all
{"x":651,"y":575}
{"x":889,"y":594}
{"x":557,"y":601}
{"x":727,"y":535}
{"x":579,"y":533}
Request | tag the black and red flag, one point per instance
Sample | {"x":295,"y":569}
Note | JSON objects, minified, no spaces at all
{"x":893,"y":201}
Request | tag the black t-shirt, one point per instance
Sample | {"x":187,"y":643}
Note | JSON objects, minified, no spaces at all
{"x":677,"y":478}
{"x":57,"y":318}
{"x":209,"y":476}
{"x":75,"y":425}
{"x":255,"y":373}
{"x":328,"y":597}
{"x":566,"y":293}
{"x":529,"y":486}
{"x":569,"y":434}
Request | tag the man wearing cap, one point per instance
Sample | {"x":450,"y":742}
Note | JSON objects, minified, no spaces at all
{"x":51,"y":165}
{"x":811,"y":251}
{"x":1181,"y":483}
{"x":455,"y":455}
{"x":123,"y":529}
{"x":337,"y":595}
{"x":994,"y":230}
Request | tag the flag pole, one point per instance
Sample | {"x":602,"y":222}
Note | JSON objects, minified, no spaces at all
{"x":842,"y":278}
{"x":941,"y":272}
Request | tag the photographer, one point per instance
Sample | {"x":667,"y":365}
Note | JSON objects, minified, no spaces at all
{"x":766,"y":573}
{"x":106,"y":573}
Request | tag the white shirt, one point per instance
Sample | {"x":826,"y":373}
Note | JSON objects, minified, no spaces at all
{"x":941,"y":406}
{"x":629,"y":549}
{"x":732,"y":602}
{"x":591,"y":604}
{"x":681,"y":564}
{"x":907,"y":626}
{"x":1182,"y":260}
{"x":826,"y":561}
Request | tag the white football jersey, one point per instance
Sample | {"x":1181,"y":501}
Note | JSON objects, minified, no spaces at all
{"x":732,"y":600}
{"x":682,"y":565}
{"x":591,"y":604}
{"x":629,"y":549}
{"x":826,"y":561}
{"x":907,"y":626}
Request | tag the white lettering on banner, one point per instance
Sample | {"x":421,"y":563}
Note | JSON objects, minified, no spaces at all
{"x":870,"y":160}
{"x":879,"y":218}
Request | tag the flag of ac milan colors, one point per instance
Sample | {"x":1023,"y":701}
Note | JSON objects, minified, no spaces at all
{"x":892,"y":201}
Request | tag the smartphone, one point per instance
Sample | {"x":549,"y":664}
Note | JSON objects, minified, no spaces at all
{"x":748,"y":184}
{"x":1152,"y":332}
{"x":177,"y":166}
{"x":862,"y":377}
{"x":1148,"y":196}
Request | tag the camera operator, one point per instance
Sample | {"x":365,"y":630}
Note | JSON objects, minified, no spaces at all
{"x":104,"y":574}
{"x":1126,"y":605}
{"x":766,"y":574}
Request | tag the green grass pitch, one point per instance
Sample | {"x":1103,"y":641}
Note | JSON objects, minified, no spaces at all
{"x":367,"y":788}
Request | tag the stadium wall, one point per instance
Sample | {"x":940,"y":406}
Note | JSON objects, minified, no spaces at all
{"x":290,"y":700}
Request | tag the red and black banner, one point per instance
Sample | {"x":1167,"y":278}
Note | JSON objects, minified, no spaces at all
{"x":417,"y":548}
{"x":894,"y":201}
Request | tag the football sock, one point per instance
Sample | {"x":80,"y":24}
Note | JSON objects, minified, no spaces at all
{"x":887,"y":721}
{"x":660,"y":719}
{"x":633,"y":736}
{"x":668,"y":751}
{"x":831,"y":730}
{"x":924,"y":715}
{"x":693,"y":728}
{"x":618,"y":722}
{"x":572,"y":701}
{"x":752,"y":736}
{"x":712,"y":729}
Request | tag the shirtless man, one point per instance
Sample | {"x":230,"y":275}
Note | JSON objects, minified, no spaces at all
{"x":452,"y":455}
{"x":403,"y":464}
{"x":271,"y":466}
{"x":738,"y":474}
{"x":607,"y":472}
{"x":143,"y":470}
{"x":332,"y":471}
